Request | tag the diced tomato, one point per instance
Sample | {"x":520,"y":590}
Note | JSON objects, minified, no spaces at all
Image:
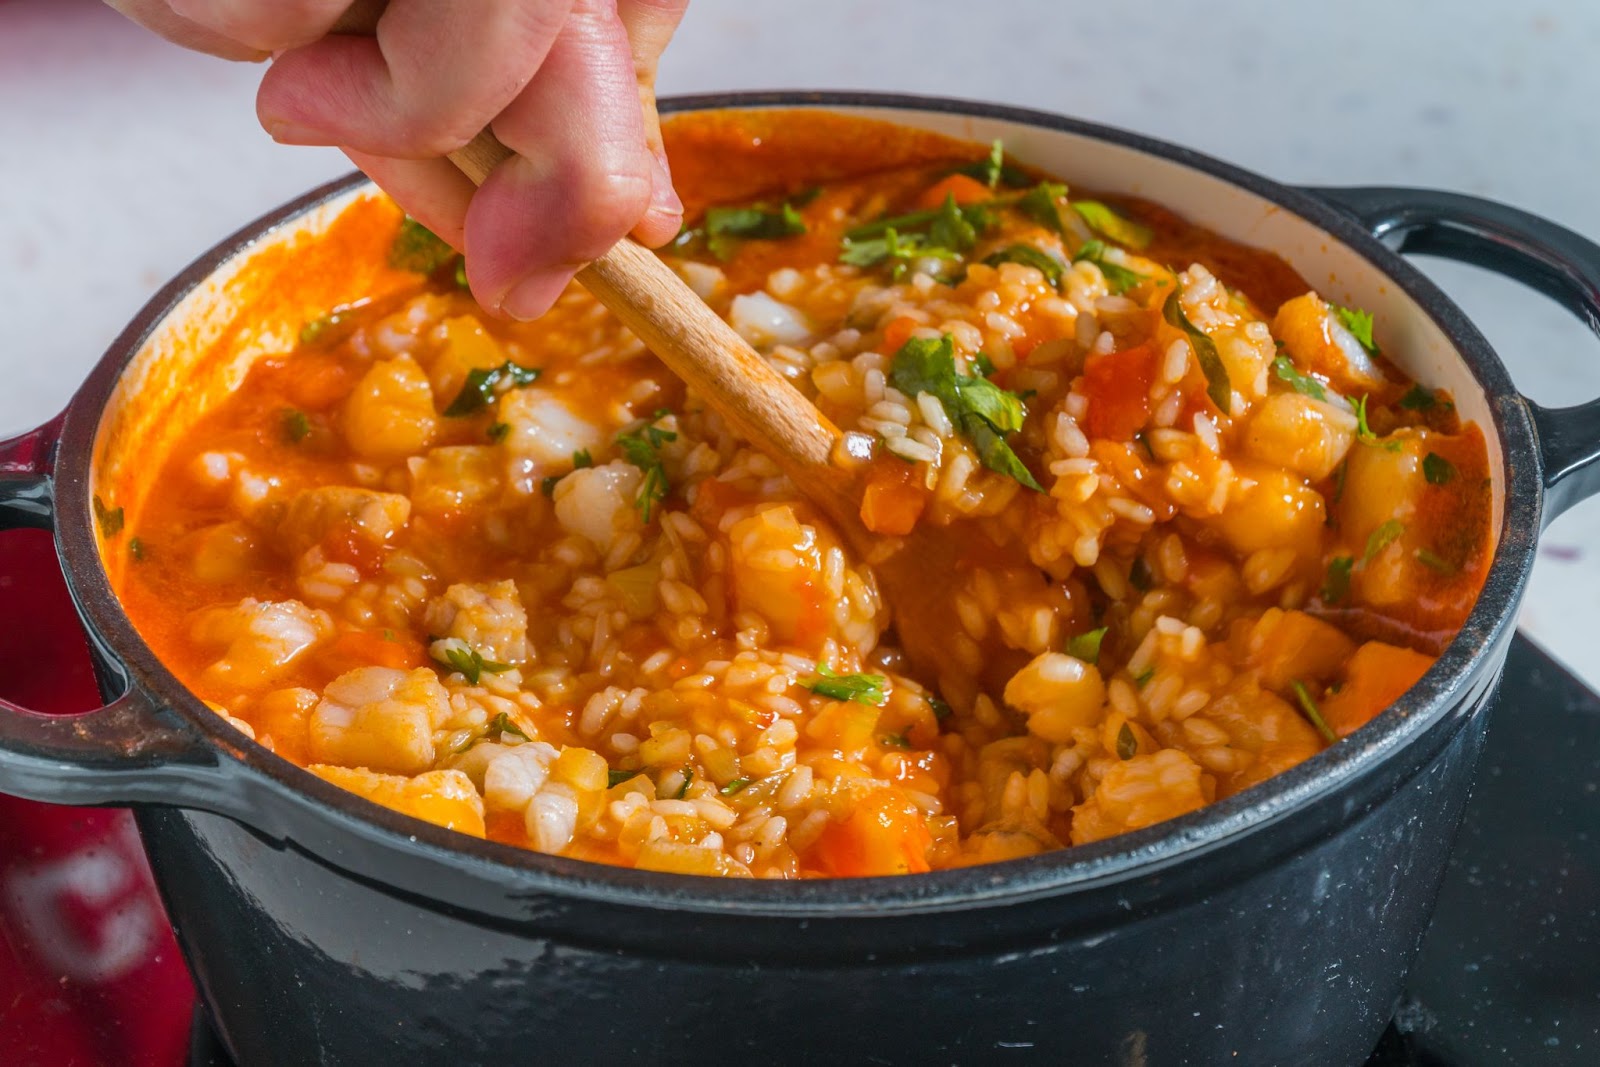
{"x":886,"y":834}
{"x":1117,"y":385}
{"x":1376,"y":676}
{"x":897,"y":333}
{"x":966,"y":191}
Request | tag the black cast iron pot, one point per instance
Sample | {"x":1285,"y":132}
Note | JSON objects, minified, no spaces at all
{"x":1275,"y":926}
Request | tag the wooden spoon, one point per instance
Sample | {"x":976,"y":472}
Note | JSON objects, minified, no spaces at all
{"x":914,"y":572}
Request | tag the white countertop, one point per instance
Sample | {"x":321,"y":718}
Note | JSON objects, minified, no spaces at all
{"x":122,"y":158}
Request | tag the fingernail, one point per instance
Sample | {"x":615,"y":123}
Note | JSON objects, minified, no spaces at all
{"x":292,"y":133}
{"x":663,"y":197}
{"x":534,"y":295}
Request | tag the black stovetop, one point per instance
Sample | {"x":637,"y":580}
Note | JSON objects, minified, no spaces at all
{"x":1510,"y":970}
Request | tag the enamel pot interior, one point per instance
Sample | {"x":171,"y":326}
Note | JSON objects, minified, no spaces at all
{"x":198,"y":338}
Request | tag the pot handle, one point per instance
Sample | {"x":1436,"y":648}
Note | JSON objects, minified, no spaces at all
{"x":129,"y":751}
{"x":1552,"y":259}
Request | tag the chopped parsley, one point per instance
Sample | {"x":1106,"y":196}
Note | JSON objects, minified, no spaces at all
{"x":1139,"y":575}
{"x":582,"y":459}
{"x":1218,"y":387}
{"x":899,"y":740}
{"x":136,"y":549}
{"x":1127,"y":743}
{"x":110,"y":519}
{"x":1359,"y":323}
{"x":1119,"y":279}
{"x":503,"y":724}
{"x":323,"y":328}
{"x":418,"y":249}
{"x":1086,"y":646}
{"x":497,"y":431}
{"x":983,"y":411}
{"x":1312,"y":713}
{"x":993,"y":168}
{"x":952,"y":228}
{"x":642,"y":448}
{"x":1437,"y":469}
{"x":1381,"y":538}
{"x":1304,"y":384}
{"x":1418,"y":398}
{"x":1434,"y":561}
{"x":861,"y":688}
{"x":547,"y":484}
{"x":482,"y":382}
{"x":1029,"y":256}
{"x":897,"y":249}
{"x":725,"y":227}
{"x":735,"y":786}
{"x":1336,"y":586}
{"x":1117,"y":227}
{"x":296,"y":425}
{"x":1041,"y":205}
{"x":1143,"y":677}
{"x":470,"y":663}
{"x":1364,"y":432}
{"x":941,"y":710}
{"x":688,"y":779}
{"x":616,"y":777}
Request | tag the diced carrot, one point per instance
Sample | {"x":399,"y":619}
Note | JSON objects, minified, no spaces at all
{"x":362,"y":648}
{"x":892,"y":508}
{"x":897,"y":333}
{"x":315,"y":382}
{"x":1117,"y":385}
{"x":966,"y":191}
{"x":886,"y":834}
{"x":1289,"y":646}
{"x":1376,"y":676}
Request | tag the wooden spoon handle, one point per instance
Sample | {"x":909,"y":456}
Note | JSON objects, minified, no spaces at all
{"x":757,"y":402}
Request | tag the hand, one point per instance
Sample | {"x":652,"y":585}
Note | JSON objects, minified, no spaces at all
{"x":569,"y":85}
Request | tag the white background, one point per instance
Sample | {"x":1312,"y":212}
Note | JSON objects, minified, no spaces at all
{"x":122,"y":158}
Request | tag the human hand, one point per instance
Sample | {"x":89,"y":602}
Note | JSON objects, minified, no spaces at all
{"x":568,"y":85}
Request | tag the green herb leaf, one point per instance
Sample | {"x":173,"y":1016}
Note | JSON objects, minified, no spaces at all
{"x":983,"y":411}
{"x":1143,"y":677}
{"x":460,"y":274}
{"x":497,"y":431}
{"x":735,"y":786}
{"x":990,"y":169}
{"x":1218,"y":387}
{"x":1364,"y":432}
{"x":547,"y":484}
{"x":502,"y":724}
{"x":1437,"y":469}
{"x":1303,"y":384}
{"x":296,"y":425}
{"x":1029,"y":256}
{"x":1119,"y":279}
{"x":1086,"y":646}
{"x":482,"y":383}
{"x":899,"y":740}
{"x":951,"y":228}
{"x":1312,"y":713}
{"x":616,"y":777}
{"x":1336,"y":586}
{"x":861,"y":688}
{"x":1359,"y":323}
{"x":642,"y":448}
{"x":136,"y":549}
{"x":1127,"y":743}
{"x":110,"y":519}
{"x":725,"y":226}
{"x":322,"y":329}
{"x":941,"y":710}
{"x":470,"y":663}
{"x":418,"y":249}
{"x":1108,"y":223}
{"x":1418,"y":398}
{"x":688,"y":779}
{"x":1139,"y":575}
{"x":1382,"y":537}
{"x":1041,"y":204}
{"x":1435,"y":561}
{"x":983,"y":365}
{"x":900,"y":251}
{"x":1340,"y":473}
{"x":582,"y":459}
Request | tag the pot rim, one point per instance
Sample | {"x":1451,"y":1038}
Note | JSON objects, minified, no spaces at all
{"x":1391,"y":735}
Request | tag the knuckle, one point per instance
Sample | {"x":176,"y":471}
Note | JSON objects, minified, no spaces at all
{"x":608,"y":205}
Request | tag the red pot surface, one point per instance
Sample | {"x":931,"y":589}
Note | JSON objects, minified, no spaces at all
{"x":90,"y":975}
